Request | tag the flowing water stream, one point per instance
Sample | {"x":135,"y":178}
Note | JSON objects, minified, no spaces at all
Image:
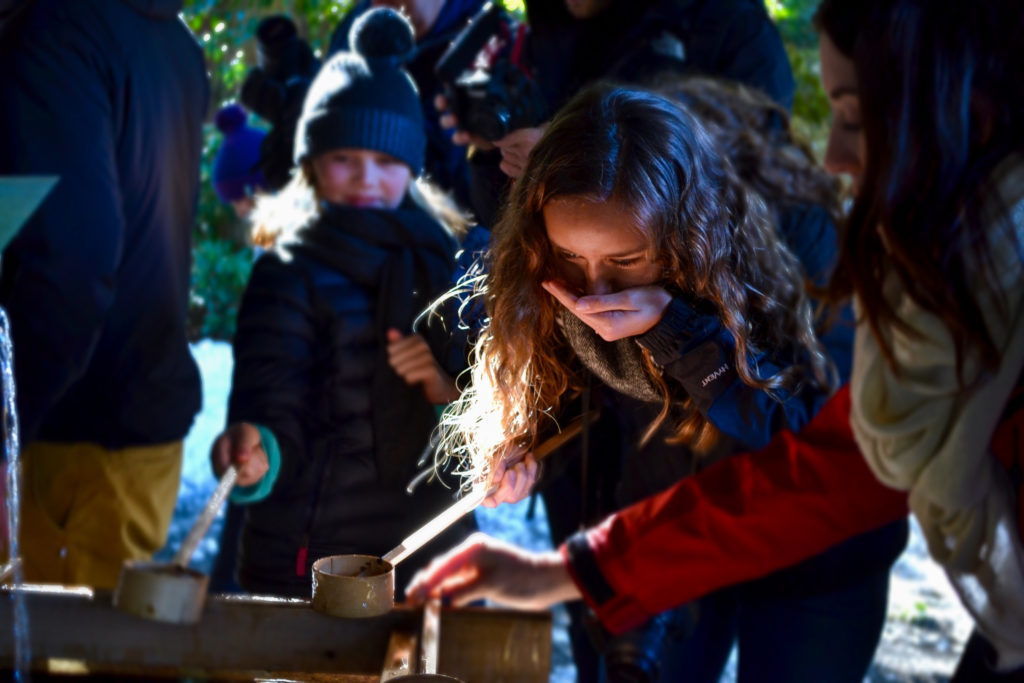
{"x":22,"y":653}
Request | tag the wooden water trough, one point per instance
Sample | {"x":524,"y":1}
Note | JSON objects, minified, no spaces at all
{"x":78,"y":631}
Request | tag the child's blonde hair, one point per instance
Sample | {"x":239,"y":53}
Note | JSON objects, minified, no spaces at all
{"x":298,"y":205}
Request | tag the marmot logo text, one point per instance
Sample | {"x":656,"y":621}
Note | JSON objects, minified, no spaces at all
{"x":714,"y":375}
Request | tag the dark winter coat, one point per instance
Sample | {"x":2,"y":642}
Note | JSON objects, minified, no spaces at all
{"x":110,"y":97}
{"x":311,"y":365}
{"x":633,"y":40}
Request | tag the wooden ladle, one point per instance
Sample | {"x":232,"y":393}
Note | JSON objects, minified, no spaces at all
{"x":172,"y":591}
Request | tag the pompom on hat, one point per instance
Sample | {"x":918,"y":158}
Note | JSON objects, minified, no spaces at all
{"x":235,"y":167}
{"x":365,"y":99}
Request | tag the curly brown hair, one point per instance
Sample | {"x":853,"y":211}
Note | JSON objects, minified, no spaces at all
{"x":754,"y":132}
{"x":714,"y":237}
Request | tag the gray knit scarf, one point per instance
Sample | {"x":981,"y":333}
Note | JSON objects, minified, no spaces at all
{"x":619,"y":364}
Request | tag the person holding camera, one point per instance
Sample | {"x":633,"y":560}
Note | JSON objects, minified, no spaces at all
{"x":326,"y":433}
{"x":567,"y":44}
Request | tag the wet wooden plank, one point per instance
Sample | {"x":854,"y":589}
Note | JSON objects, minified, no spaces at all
{"x":77,"y":630}
{"x":237,"y":638}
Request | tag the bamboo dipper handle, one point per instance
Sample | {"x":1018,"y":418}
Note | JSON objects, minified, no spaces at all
{"x":469,"y":502}
{"x":202,"y":524}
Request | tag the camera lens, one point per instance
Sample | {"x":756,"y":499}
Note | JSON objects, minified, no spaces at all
{"x":490,"y":121}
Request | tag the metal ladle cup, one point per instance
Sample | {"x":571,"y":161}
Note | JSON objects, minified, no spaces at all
{"x":172,"y":591}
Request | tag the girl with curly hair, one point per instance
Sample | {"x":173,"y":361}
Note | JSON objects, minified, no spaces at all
{"x":630,"y":251}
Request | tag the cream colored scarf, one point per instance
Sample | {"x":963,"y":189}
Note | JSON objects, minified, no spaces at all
{"x":921,"y":434}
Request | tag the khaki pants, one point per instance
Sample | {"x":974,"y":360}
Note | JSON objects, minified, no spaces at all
{"x":86,"y":509}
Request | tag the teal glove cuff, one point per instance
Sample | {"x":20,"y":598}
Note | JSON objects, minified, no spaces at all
{"x":243,"y":495}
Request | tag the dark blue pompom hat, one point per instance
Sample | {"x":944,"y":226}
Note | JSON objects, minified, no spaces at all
{"x":364,"y":99}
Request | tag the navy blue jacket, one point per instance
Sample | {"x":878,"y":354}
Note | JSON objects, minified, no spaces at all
{"x":110,"y":96}
{"x":311,"y":365}
{"x":634,"y":40}
{"x":695,"y":349}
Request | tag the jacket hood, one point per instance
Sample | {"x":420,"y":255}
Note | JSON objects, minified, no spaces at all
{"x":156,"y":9}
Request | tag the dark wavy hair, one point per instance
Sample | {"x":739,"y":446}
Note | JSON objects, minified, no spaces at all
{"x":754,"y":132}
{"x":941,"y":102}
{"x":714,"y":238}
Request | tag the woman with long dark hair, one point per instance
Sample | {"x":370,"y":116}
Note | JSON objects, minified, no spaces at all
{"x":927,"y":118}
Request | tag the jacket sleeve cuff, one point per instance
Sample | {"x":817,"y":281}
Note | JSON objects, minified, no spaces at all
{"x":680,"y":326}
{"x":244,"y":495}
{"x":618,"y":613}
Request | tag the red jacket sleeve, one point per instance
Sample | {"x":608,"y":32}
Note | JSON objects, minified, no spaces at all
{"x":740,"y":519}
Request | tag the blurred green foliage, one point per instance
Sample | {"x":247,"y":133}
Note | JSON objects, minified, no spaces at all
{"x":226,"y":30}
{"x":810,"y":108}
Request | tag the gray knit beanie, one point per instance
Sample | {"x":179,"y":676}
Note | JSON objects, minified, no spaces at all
{"x":365,"y":99}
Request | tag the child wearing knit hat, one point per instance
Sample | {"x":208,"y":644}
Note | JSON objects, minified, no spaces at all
{"x":236,"y":173}
{"x":332,"y":398}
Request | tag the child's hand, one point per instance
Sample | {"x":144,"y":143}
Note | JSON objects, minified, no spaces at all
{"x":628,"y":313}
{"x":515,"y":477}
{"x":515,"y":149}
{"x":240,"y":444}
{"x":412,"y":359}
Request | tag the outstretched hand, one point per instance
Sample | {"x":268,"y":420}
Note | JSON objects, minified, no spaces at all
{"x":485,"y":567}
{"x":414,"y":362}
{"x":240,"y":444}
{"x":627,"y":313}
{"x":515,"y":477}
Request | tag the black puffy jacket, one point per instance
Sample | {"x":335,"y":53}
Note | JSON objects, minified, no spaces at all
{"x":310,"y":364}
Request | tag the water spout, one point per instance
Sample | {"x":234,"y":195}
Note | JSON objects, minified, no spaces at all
{"x":12,"y":449}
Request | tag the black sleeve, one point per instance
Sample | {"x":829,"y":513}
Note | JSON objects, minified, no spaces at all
{"x":60,"y":272}
{"x":273,"y":379}
{"x":739,"y":41}
{"x":698,"y":352}
{"x":488,"y":185}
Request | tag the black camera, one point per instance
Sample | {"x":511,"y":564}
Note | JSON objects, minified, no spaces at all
{"x":275,"y":90}
{"x":489,"y":90}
